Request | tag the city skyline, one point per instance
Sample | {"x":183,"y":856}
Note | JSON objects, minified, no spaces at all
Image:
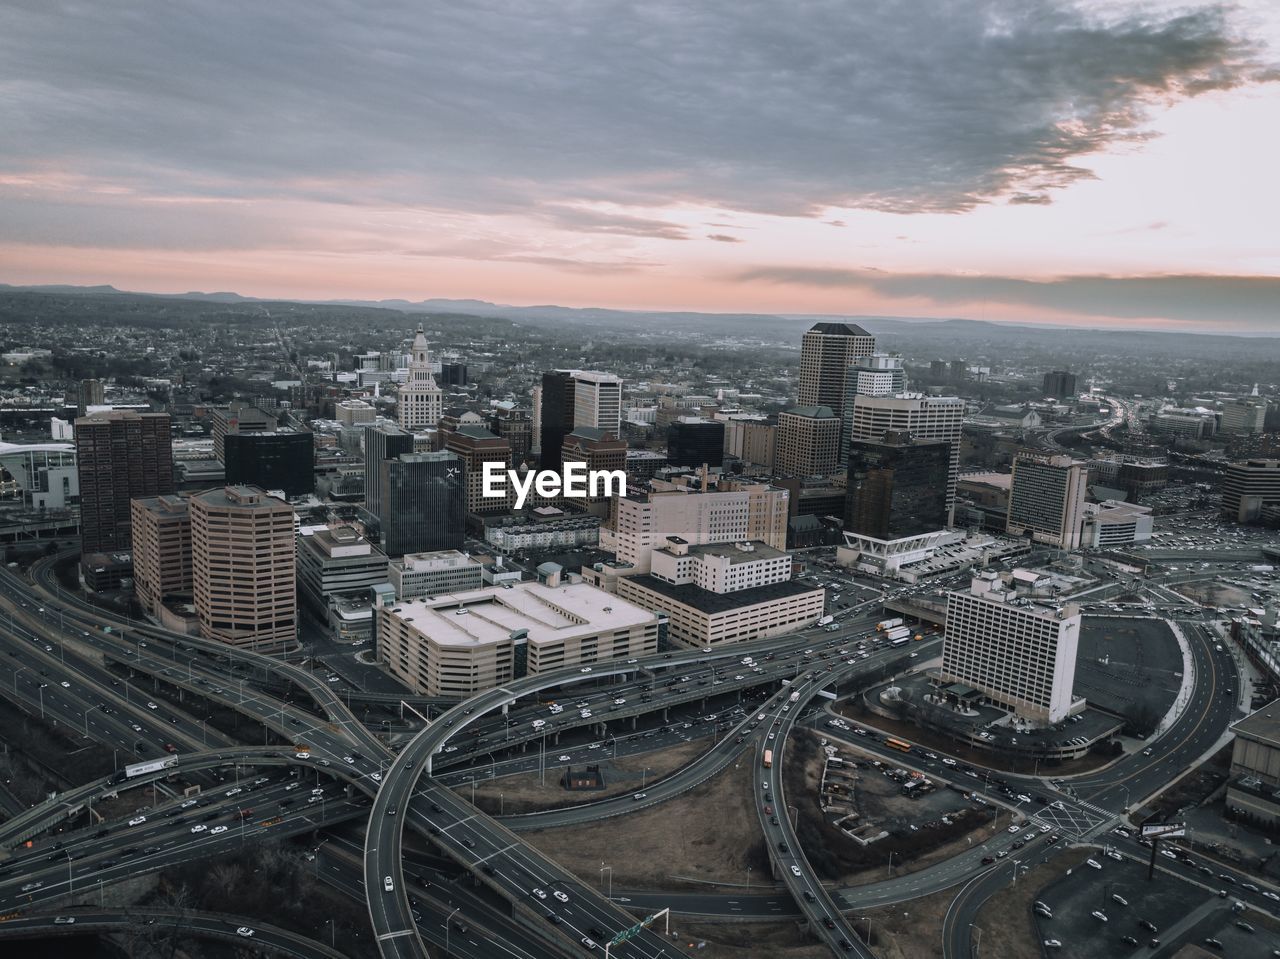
{"x":1038,"y":162}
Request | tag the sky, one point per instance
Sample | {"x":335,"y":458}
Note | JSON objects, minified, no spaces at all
{"x":1094,"y":163}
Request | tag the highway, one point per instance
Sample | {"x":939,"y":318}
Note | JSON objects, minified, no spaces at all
{"x":237,"y":930}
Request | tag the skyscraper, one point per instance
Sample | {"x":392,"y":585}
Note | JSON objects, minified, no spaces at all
{"x":897,"y":486}
{"x":826,"y":351}
{"x":237,"y":418}
{"x":420,"y":402}
{"x":1046,"y":498}
{"x":161,"y":549}
{"x":808,"y":441}
{"x":556,"y":412}
{"x":280,"y":460}
{"x":119,"y":455}
{"x":422,"y":502}
{"x":381,"y":443}
{"x":924,"y":417}
{"x":90,"y":393}
{"x":597,"y":401}
{"x":243,"y":570}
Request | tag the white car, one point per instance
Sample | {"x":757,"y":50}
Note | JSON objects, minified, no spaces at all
{"x":152,"y":706}
{"x":795,"y":870}
{"x":563,"y":759}
{"x":244,"y":931}
{"x":64,"y":920}
{"x":388,"y":885}
{"x":188,"y":804}
{"x":1093,"y":864}
{"x":619,"y":702}
{"x":376,"y":777}
{"x":1053,"y":944}
{"x":1099,"y":915}
{"x":585,"y":669}
{"x":137,"y":820}
{"x":64,"y":684}
{"x":948,"y":761}
{"x":540,"y":893}
{"x":199,"y":827}
{"x":234,"y":791}
{"x":561,"y":896}
{"x":135,"y":727}
{"x":291,"y":787}
{"x":217,"y":830}
{"x":348,"y":760}
{"x":1014,"y":828}
{"x":302,"y":755}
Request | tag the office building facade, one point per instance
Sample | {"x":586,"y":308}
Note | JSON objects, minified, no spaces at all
{"x":924,"y":417}
{"x":244,"y":572}
{"x":694,"y":441}
{"x":1249,"y":488}
{"x":281,"y":460}
{"x":422,"y":502}
{"x":120,"y":455}
{"x":1046,"y":499}
{"x":1017,"y":653}
{"x":556,"y":403}
{"x":896,"y":486}
{"x":808,"y":442}
{"x":597,"y":401}
{"x":237,"y":418}
{"x":434,"y":574}
{"x":381,"y":443}
{"x":1059,"y":384}
{"x":474,"y":446}
{"x":161,"y":550}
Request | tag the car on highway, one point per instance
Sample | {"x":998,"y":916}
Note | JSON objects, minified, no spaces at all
{"x":588,"y":943}
{"x":1099,"y":915}
{"x":244,"y":931}
{"x":348,"y":760}
{"x":302,"y":755}
{"x":564,"y":758}
{"x":64,"y":920}
{"x":1052,"y":944}
{"x":64,"y":684}
{"x":388,"y":884}
{"x":561,"y":896}
{"x":216,"y":830}
{"x":795,"y":870}
{"x":152,"y":706}
{"x":639,"y":796}
{"x":137,"y":820}
{"x":233,"y":791}
{"x":1093,"y":864}
{"x":540,"y":893}
{"x":199,"y":827}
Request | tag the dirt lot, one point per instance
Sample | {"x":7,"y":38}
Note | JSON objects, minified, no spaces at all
{"x":750,"y":940}
{"x":906,"y":930}
{"x":838,"y":858}
{"x":1005,"y":920}
{"x":523,"y":792}
{"x":709,"y":833}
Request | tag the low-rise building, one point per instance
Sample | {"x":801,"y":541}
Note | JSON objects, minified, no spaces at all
{"x":337,"y":567}
{"x":432,"y":574}
{"x":1115,"y":523}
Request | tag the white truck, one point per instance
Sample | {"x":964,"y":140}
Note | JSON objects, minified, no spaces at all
{"x":825,"y":620}
{"x":898,"y":632}
{"x":888,"y":624}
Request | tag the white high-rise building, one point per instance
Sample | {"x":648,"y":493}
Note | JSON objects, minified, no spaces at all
{"x":597,"y":401}
{"x":924,"y":417}
{"x":1016,"y":652}
{"x":420,"y":404}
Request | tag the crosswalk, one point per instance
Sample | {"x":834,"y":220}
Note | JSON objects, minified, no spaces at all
{"x":1078,"y":819}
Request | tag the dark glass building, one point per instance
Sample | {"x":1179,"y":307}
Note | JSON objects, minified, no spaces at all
{"x":693,"y":441}
{"x":557,"y":415}
{"x":120,"y":455}
{"x":381,"y":443}
{"x":1060,"y":384}
{"x":897,"y":486}
{"x":422,"y":502}
{"x":283,"y":460}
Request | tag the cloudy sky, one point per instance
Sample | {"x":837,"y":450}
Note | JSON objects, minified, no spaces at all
{"x":1090,"y":162}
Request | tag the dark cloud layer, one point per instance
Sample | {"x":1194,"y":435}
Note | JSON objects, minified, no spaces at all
{"x":522,"y":104}
{"x":1247,"y":303}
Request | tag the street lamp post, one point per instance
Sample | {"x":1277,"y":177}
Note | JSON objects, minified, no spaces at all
{"x":603,"y":870}
{"x":447,"y":923}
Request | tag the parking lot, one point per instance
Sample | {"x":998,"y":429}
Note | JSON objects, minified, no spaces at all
{"x":1128,"y":666}
{"x":1153,"y":918}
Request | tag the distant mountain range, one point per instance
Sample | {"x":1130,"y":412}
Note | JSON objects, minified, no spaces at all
{"x":776,"y":326}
